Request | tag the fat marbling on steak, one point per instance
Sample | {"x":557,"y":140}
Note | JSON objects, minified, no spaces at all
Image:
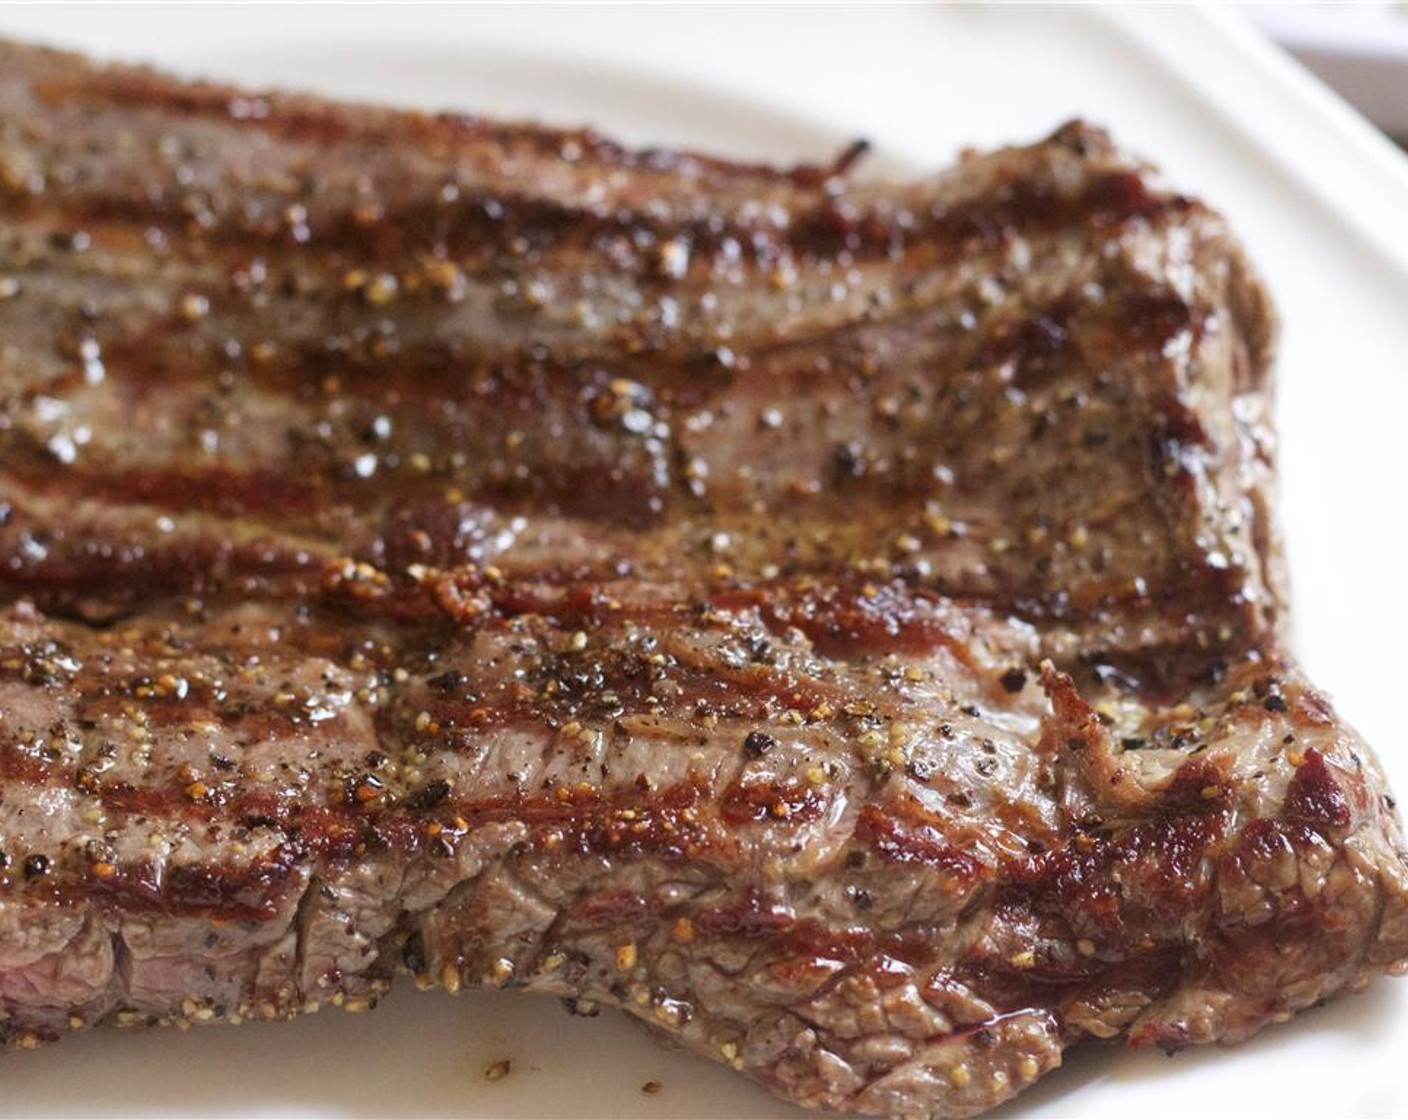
{"x":839,"y":624}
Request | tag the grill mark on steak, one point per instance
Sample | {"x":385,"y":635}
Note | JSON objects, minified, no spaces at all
{"x":839,"y":624}
{"x":484,"y":224}
{"x":291,"y":116}
{"x":235,"y":494}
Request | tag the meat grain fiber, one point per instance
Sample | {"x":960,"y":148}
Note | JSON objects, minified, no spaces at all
{"x":838,"y":624}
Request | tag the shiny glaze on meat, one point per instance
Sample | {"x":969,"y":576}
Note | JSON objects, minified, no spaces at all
{"x":837,"y":623}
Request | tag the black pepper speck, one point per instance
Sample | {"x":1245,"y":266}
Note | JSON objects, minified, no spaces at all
{"x":1014,"y":680}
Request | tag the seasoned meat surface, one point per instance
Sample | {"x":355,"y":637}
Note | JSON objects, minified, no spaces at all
{"x":839,"y":624}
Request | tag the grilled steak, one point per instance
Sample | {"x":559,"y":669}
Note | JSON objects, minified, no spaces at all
{"x":838,"y":624}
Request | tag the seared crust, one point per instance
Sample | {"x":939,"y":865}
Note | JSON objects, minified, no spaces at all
{"x":838,"y":624}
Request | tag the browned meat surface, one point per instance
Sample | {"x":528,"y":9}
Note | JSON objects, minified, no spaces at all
{"x":838,"y":624}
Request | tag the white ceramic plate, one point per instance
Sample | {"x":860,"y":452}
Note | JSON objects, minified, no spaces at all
{"x":1323,"y":205}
